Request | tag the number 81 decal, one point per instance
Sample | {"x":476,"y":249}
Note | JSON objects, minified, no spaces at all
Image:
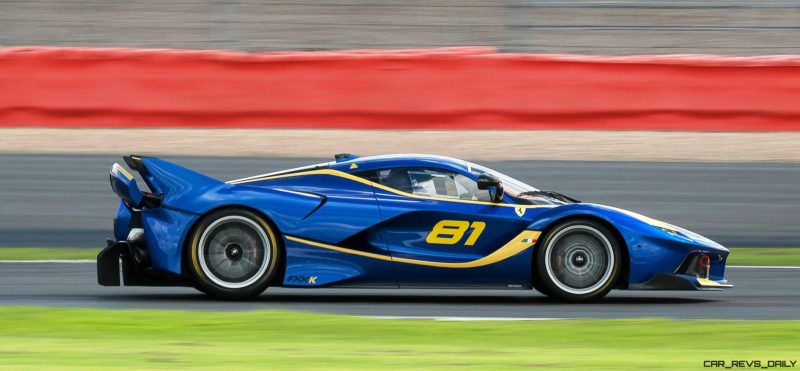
{"x":449,"y":232}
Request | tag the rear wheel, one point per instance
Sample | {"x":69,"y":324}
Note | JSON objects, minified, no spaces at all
{"x":233,"y":254}
{"x":578,"y":261}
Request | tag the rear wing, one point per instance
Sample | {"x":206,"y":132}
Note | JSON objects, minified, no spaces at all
{"x":124,"y":185}
{"x":163,"y":178}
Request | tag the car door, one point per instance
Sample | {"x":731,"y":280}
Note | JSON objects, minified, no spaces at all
{"x":441,"y":230}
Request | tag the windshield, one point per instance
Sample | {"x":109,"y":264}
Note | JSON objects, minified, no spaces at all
{"x":511,"y":186}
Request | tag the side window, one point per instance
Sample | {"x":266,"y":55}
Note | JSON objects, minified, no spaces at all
{"x":368,"y":175}
{"x":396,"y":178}
{"x":432,"y":182}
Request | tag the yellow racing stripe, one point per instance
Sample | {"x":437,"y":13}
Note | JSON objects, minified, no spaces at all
{"x":517,"y":245}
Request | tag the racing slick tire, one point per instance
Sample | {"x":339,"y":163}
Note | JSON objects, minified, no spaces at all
{"x":578,"y":261}
{"x":232,"y":254}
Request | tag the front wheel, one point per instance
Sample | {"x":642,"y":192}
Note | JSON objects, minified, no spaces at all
{"x":233,"y":254}
{"x":578,"y":261}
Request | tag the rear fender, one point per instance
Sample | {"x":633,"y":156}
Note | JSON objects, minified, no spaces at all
{"x":173,"y":182}
{"x":186,"y":195}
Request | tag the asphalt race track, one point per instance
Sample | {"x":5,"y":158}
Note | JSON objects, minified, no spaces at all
{"x":759,"y":294}
{"x":65,"y":200}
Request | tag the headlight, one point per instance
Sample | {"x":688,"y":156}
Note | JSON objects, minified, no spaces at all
{"x":674,"y":230}
{"x":666,"y":227}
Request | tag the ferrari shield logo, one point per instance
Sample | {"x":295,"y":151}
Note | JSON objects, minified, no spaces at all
{"x":520,"y":211}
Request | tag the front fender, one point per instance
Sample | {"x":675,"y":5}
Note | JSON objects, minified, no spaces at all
{"x":651,"y":248}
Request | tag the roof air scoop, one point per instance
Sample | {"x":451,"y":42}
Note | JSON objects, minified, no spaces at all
{"x":342,"y":157}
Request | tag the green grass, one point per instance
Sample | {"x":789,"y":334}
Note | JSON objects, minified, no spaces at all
{"x":739,"y":255}
{"x":48,"y":253}
{"x":764,"y":256}
{"x":36,"y":338}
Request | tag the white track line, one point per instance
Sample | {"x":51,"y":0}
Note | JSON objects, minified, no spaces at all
{"x":764,"y":266}
{"x":468,"y":319}
{"x":49,"y":261}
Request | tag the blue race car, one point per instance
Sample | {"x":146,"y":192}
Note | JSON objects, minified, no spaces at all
{"x":388,"y":221}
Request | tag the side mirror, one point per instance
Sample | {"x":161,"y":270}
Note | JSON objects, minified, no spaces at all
{"x":493,"y":185}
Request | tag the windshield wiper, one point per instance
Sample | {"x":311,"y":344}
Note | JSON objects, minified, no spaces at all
{"x":551,"y":194}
